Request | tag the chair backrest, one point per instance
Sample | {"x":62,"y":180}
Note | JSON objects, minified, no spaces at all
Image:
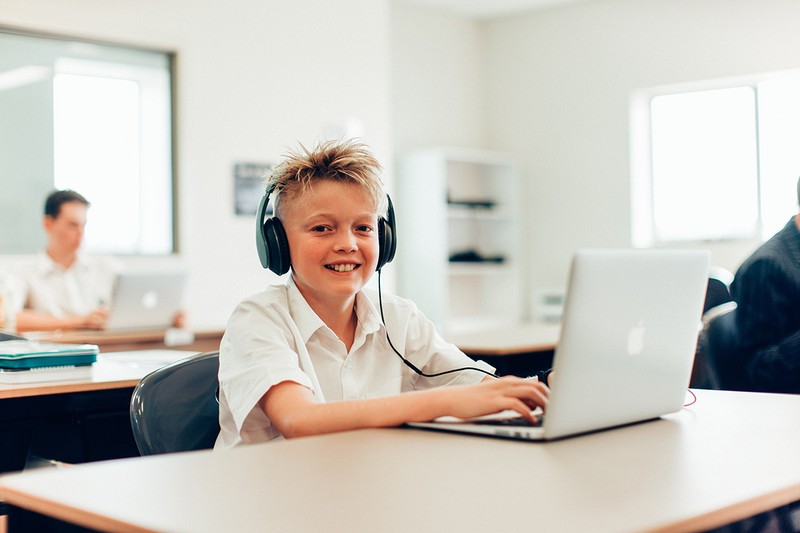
{"x":718,"y":291}
{"x":175,"y":408}
{"x":718,"y":351}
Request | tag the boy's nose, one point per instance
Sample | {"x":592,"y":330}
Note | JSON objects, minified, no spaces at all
{"x":346,"y":242}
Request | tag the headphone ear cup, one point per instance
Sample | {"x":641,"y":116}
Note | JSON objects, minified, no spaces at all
{"x":387,"y":242}
{"x":261,"y":237}
{"x":277,"y":246}
{"x":384,"y":241}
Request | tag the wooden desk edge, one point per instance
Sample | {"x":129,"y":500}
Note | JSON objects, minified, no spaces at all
{"x":65,"y":512}
{"x":80,"y":336}
{"x":61,"y":387}
{"x":735,"y":512}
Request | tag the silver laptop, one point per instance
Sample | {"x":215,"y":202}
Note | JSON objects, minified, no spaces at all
{"x":145,"y":300}
{"x":628,"y":337}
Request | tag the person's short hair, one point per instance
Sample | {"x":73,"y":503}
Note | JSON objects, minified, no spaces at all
{"x":348,"y":161}
{"x":54,"y":201}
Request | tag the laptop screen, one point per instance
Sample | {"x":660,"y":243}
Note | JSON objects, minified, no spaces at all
{"x":146,"y":300}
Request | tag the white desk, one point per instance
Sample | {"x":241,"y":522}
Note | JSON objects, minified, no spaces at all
{"x":517,"y":339}
{"x":727,"y":457}
{"x":119,"y":341}
{"x":111,"y":371}
{"x":520,"y":349}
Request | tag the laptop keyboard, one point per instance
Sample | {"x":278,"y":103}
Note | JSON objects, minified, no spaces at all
{"x":513,"y":422}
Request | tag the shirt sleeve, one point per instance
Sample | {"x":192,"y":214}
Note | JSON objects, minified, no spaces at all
{"x":256,"y":353}
{"x":429,"y":352}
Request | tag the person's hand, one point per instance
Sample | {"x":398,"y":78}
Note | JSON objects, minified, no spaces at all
{"x":95,"y":319}
{"x":496,"y":395}
{"x":179,"y":319}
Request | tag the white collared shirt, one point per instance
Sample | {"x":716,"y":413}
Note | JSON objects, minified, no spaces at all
{"x":275,"y":336}
{"x":77,"y":290}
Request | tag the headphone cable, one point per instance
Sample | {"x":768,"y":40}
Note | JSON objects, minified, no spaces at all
{"x":408,"y":363}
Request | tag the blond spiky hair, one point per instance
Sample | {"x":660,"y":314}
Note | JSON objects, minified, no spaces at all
{"x":348,"y":161}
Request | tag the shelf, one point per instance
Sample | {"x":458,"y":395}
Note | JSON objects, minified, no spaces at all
{"x":473,"y":213}
{"x":459,"y":201}
{"x":478,"y":269}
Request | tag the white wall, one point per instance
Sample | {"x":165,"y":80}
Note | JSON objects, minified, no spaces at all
{"x":254,"y":77}
{"x":559,"y":83}
{"x":554,"y":91}
{"x":438,"y":79}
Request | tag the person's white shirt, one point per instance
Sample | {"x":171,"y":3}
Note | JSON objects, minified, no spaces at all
{"x":54,"y":290}
{"x":275,"y":336}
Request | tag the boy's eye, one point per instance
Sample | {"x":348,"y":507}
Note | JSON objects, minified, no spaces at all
{"x":364,"y":228}
{"x":319,"y":229}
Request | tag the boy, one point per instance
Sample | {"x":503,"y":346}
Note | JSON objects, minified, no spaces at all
{"x":66,"y":289}
{"x":314,"y":356}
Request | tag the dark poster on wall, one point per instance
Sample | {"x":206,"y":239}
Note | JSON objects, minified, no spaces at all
{"x":248,"y":182}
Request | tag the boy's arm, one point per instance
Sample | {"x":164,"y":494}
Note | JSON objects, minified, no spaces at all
{"x":294,"y":411}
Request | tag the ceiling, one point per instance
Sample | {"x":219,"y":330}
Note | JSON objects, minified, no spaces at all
{"x":482,"y":9}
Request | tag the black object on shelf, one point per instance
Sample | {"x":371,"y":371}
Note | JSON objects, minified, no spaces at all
{"x":471,"y":256}
{"x":478,"y":204}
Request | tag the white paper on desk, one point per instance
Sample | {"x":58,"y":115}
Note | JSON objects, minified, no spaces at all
{"x":146,"y":358}
{"x":44,"y":374}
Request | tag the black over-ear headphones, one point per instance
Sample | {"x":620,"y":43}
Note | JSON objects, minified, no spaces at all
{"x":273,"y":246}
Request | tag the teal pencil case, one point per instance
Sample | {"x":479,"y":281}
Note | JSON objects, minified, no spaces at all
{"x":22,"y":354}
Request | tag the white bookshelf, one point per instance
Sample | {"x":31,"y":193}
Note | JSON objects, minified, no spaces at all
{"x":454,"y":201}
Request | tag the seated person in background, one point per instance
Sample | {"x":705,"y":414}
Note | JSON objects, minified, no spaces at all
{"x":64,"y":289}
{"x":312,"y":356}
{"x":767,"y":291}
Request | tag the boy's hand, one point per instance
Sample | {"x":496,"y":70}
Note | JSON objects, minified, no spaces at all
{"x":496,"y":395}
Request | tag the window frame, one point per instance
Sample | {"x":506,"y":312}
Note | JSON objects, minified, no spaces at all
{"x":644,"y":232}
{"x":170,"y":60}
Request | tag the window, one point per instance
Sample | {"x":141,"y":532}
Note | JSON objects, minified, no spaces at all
{"x":111,"y":139}
{"x":717,"y":161}
{"x":96,"y":118}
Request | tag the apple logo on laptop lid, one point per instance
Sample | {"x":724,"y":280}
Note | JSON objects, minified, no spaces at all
{"x":636,"y":339}
{"x":150,"y":300}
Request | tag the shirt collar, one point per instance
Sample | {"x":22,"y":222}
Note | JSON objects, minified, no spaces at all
{"x":304,"y":317}
{"x":308,"y":322}
{"x":368,"y":316}
{"x":45,"y":265}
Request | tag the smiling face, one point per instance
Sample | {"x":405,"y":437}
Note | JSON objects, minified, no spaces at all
{"x":332,"y":229}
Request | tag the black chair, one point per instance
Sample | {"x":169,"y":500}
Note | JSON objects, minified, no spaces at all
{"x":175,"y":408}
{"x":717,"y":363}
{"x":718,"y":290}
